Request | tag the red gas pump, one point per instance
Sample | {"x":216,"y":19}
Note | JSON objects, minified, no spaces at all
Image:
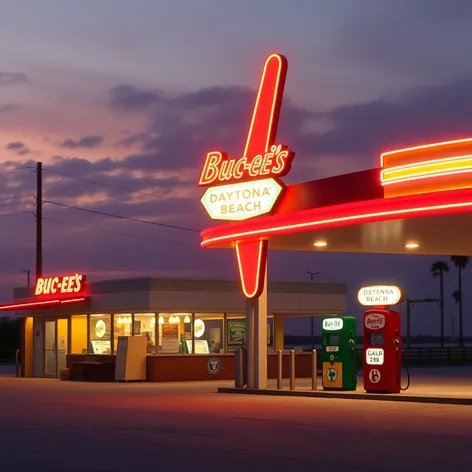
{"x":382,"y":351}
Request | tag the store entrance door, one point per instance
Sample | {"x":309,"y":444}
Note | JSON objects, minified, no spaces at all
{"x":55,"y":346}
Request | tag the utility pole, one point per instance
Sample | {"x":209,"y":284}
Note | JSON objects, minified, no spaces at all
{"x":39,"y":220}
{"x":312,"y":276}
{"x":28,"y":272}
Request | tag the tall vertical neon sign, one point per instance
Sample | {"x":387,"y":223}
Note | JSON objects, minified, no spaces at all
{"x":260,"y":148}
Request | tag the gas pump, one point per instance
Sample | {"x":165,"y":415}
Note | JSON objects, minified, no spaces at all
{"x":382,"y":339}
{"x":339,"y":353}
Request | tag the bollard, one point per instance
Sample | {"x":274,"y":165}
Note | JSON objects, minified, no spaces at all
{"x":292,"y":369}
{"x":314,"y":370}
{"x":239,"y":368}
{"x":279,"y":370}
{"x":17,"y":363}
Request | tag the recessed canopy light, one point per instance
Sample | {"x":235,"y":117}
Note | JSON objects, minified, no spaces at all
{"x":320,"y":244}
{"x":411,"y":245}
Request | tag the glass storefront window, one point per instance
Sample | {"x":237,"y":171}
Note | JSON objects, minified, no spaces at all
{"x":100,"y":334}
{"x":209,"y":333}
{"x":78,"y":334}
{"x":171,"y":332}
{"x":122,"y":326}
{"x":144,"y":324}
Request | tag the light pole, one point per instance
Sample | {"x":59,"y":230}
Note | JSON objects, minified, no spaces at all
{"x":312,"y":276}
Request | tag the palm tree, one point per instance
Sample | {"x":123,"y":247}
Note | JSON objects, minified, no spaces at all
{"x":457,"y":296}
{"x":438,"y":269}
{"x":460,"y":262}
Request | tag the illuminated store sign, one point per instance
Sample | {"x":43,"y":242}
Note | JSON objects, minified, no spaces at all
{"x":241,"y":201}
{"x":52,"y":291}
{"x":59,"y":286}
{"x":379,"y":295}
{"x":218,"y":169}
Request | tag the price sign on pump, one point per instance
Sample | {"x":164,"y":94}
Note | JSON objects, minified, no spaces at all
{"x":374,"y":356}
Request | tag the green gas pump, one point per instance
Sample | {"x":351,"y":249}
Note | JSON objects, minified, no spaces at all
{"x":339,"y":353}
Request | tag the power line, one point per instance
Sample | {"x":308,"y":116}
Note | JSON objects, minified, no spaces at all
{"x":110,"y":231}
{"x":111,"y":215}
{"x":150,"y":194}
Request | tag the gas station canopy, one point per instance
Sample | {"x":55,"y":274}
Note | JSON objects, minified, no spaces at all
{"x":353,"y":213}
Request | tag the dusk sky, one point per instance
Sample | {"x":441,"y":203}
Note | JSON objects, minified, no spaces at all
{"x":131,"y":94}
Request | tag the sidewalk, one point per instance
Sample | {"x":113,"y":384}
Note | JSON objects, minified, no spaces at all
{"x":446,"y":385}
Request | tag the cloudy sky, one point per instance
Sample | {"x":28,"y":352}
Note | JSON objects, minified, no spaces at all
{"x":120,"y":100}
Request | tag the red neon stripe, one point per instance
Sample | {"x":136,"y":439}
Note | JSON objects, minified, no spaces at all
{"x":446,"y":202}
{"x":28,"y":304}
{"x":73,"y":300}
{"x":23,"y":305}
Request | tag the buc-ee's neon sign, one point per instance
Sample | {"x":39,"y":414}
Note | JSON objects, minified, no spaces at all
{"x":218,"y":169}
{"x":67,"y":285}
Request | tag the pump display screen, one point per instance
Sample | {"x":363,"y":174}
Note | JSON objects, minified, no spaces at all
{"x":376,"y":339}
{"x":333,"y":340}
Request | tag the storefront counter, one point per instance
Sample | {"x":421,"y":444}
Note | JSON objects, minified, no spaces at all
{"x":181,"y":367}
{"x":177,"y":368}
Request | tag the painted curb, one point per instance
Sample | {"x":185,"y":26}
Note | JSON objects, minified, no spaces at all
{"x":351,"y":396}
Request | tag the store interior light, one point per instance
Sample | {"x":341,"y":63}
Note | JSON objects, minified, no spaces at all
{"x":161,"y":320}
{"x":171,"y":319}
{"x":177,"y":319}
{"x":411,"y":245}
{"x":320,"y":244}
{"x":119,"y":321}
{"x":187,"y":319}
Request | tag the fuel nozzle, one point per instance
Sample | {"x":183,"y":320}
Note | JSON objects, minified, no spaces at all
{"x":351,"y":340}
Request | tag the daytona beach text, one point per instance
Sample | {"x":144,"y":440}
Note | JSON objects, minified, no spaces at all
{"x":240,"y":201}
{"x":380,"y":296}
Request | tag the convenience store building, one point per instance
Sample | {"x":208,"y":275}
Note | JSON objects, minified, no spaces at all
{"x":193,"y":326}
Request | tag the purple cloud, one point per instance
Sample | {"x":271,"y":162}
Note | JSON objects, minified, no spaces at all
{"x":19,"y":147}
{"x":90,"y":142}
{"x":130,"y":98}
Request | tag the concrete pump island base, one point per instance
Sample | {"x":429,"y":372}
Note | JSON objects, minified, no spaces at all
{"x":418,"y":201}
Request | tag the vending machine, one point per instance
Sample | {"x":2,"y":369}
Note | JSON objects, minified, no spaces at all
{"x":382,"y":351}
{"x":339,"y":353}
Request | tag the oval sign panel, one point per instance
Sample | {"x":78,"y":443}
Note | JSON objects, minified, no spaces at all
{"x":332,"y":324}
{"x":379,"y":295}
{"x":374,"y":321}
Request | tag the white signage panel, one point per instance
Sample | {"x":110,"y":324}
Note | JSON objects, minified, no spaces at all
{"x":374,"y":356}
{"x":332,"y":324}
{"x":379,"y":295}
{"x":237,"y":202}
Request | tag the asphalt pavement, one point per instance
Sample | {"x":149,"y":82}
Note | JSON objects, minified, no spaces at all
{"x":52,"y":425}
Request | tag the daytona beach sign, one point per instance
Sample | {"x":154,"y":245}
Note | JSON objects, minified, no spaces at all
{"x":379,"y":295}
{"x":255,"y":190}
